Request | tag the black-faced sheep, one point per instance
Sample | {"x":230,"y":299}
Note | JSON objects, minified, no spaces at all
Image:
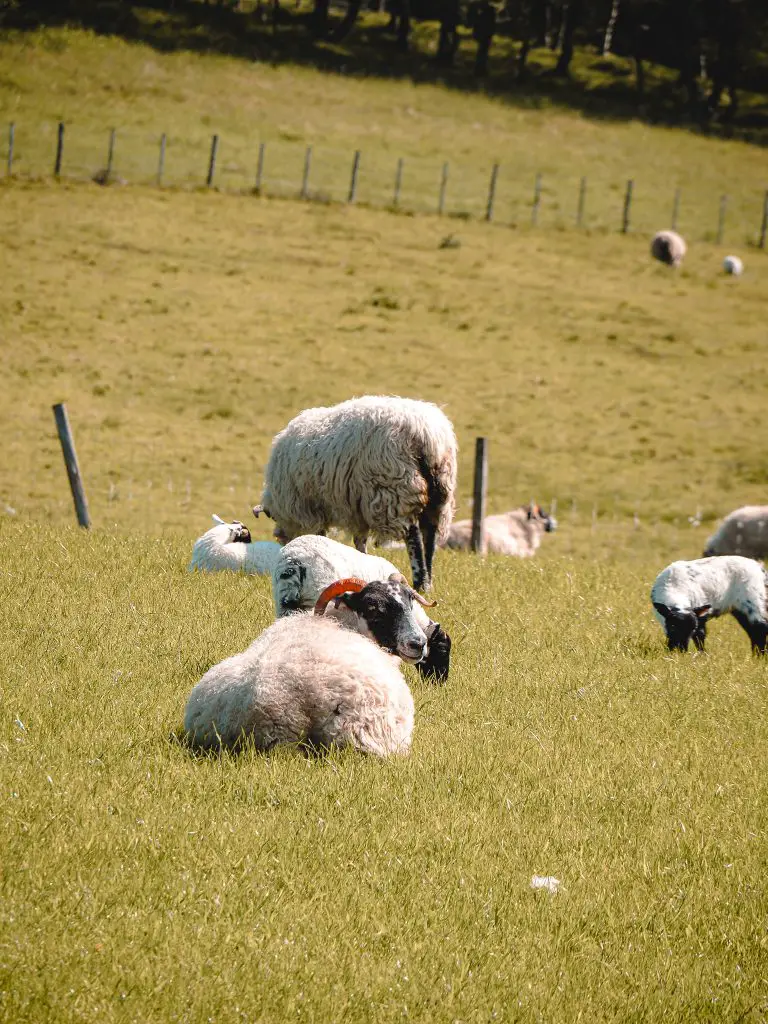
{"x":668,"y":247}
{"x":517,"y":533}
{"x":742,"y":532}
{"x":686,"y":595}
{"x":374,"y":465}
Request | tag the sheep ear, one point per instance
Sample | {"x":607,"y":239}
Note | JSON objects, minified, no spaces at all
{"x":704,"y":610}
{"x":661,"y":609}
{"x":219,"y":520}
{"x":397,"y":577}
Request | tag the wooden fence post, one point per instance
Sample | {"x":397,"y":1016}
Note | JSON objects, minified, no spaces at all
{"x":353,"y":180}
{"x":11,"y":135}
{"x":491,"y":193}
{"x":398,"y":182}
{"x":59,"y":150}
{"x":260,"y":167}
{"x":305,"y":177}
{"x":110,"y":154}
{"x":764,"y":225}
{"x":161,"y":161}
{"x":536,"y":200}
{"x":675,"y":209}
{"x":443,"y":187}
{"x":582,"y":202}
{"x":627,"y":207}
{"x":70,"y":460}
{"x":477,"y":541}
{"x":721,"y":219}
{"x":212,"y":161}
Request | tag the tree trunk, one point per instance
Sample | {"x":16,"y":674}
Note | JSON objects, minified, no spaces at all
{"x":404,"y":25}
{"x":449,"y":37}
{"x":522,"y":57}
{"x":571,"y":19}
{"x":347,"y":23}
{"x":320,"y":17}
{"x":610,"y":26}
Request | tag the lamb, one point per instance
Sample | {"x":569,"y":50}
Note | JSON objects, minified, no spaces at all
{"x":308,"y":564}
{"x":518,"y":532}
{"x":742,"y":532}
{"x":228,"y":546}
{"x":668,"y":247}
{"x":326,"y":677}
{"x":686,"y":595}
{"x":374,"y":465}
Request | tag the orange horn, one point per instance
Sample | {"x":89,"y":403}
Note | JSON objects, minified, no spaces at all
{"x":422,"y":600}
{"x":346,"y":586}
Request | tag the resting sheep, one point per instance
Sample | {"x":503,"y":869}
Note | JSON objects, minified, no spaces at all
{"x":686,"y":595}
{"x":668,"y":247}
{"x":742,"y":532}
{"x":228,"y":546}
{"x":308,"y":564}
{"x":322,"y":678}
{"x":374,"y":465}
{"x":518,"y":532}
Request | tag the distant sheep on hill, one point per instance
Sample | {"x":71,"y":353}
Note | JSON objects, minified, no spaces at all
{"x":517,"y":533}
{"x":374,"y":465}
{"x":668,"y":247}
{"x":743,"y":532}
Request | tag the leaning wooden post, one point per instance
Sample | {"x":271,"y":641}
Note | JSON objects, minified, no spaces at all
{"x":161,"y":160}
{"x":212,"y":161}
{"x":11,"y":134}
{"x":305,"y":177}
{"x":536,"y":200}
{"x":625,"y":217}
{"x":70,"y":460}
{"x":443,"y":188}
{"x":721,"y":219}
{"x":353,"y":180}
{"x":675,"y":209}
{"x":764,"y":225}
{"x":111,"y":154}
{"x":582,"y":202}
{"x":477,"y":542}
{"x":59,"y":150}
{"x":398,"y":182}
{"x":491,"y":193}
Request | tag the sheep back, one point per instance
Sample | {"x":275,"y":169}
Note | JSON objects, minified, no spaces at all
{"x":743,"y":532}
{"x":509,"y":533}
{"x":668,"y":247}
{"x":305,"y":679}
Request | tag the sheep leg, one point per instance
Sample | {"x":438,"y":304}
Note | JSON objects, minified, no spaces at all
{"x":756,"y":630}
{"x":415,"y":546}
{"x":429,"y":536}
{"x":361,"y":543}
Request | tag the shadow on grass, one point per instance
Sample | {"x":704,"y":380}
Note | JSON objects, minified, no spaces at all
{"x":370,"y":50}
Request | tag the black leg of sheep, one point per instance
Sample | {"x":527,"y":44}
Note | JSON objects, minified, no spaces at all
{"x":415,"y":546}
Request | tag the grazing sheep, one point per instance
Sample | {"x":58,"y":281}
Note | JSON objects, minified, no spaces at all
{"x":228,"y":546}
{"x":733,"y":265}
{"x":518,"y":532}
{"x":328,"y":677}
{"x":668,"y":247}
{"x":308,"y":564}
{"x":375,"y":465}
{"x":686,"y":595}
{"x":742,"y":532}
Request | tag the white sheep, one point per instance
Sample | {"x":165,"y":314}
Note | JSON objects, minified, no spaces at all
{"x":374,"y":465}
{"x":308,"y":564}
{"x":743,"y":532}
{"x":668,"y":247}
{"x":322,"y":678}
{"x":733,"y":265}
{"x":228,"y":546}
{"x":518,"y":532}
{"x":686,"y":595}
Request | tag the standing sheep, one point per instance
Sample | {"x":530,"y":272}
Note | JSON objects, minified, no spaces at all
{"x":686,"y":595}
{"x":742,"y":532}
{"x":374,"y":465}
{"x":228,"y":546}
{"x":668,"y":247}
{"x":328,"y":677}
{"x":518,"y":532}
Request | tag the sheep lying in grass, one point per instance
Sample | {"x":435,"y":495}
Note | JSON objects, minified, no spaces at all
{"x":307,"y":565}
{"x":228,"y":546}
{"x":518,"y":532}
{"x":322,"y":678}
{"x":742,"y":532}
{"x":668,"y":247}
{"x":686,"y":595}
{"x":375,"y":465}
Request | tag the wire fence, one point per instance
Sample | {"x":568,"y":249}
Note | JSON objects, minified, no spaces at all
{"x":278,"y":167}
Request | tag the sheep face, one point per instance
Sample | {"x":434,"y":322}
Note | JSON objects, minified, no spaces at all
{"x":537,"y":513}
{"x":437,"y":661}
{"x":239,"y":534}
{"x":683,"y":626}
{"x":385,"y":613}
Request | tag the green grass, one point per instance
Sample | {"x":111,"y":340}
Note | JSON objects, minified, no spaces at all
{"x":140,"y":883}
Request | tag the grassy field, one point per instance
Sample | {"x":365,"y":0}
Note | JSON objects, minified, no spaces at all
{"x":183,"y":328}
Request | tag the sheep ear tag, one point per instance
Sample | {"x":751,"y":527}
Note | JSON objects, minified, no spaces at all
{"x":704,"y":610}
{"x":352,"y":584}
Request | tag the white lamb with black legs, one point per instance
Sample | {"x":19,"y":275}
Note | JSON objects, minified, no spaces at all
{"x":308,"y":564}
{"x":686,"y":595}
{"x":322,"y":678}
{"x":374,"y":465}
{"x":228,"y":547}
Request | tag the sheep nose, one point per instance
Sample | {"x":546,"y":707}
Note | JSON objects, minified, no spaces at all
{"x":415,"y":647}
